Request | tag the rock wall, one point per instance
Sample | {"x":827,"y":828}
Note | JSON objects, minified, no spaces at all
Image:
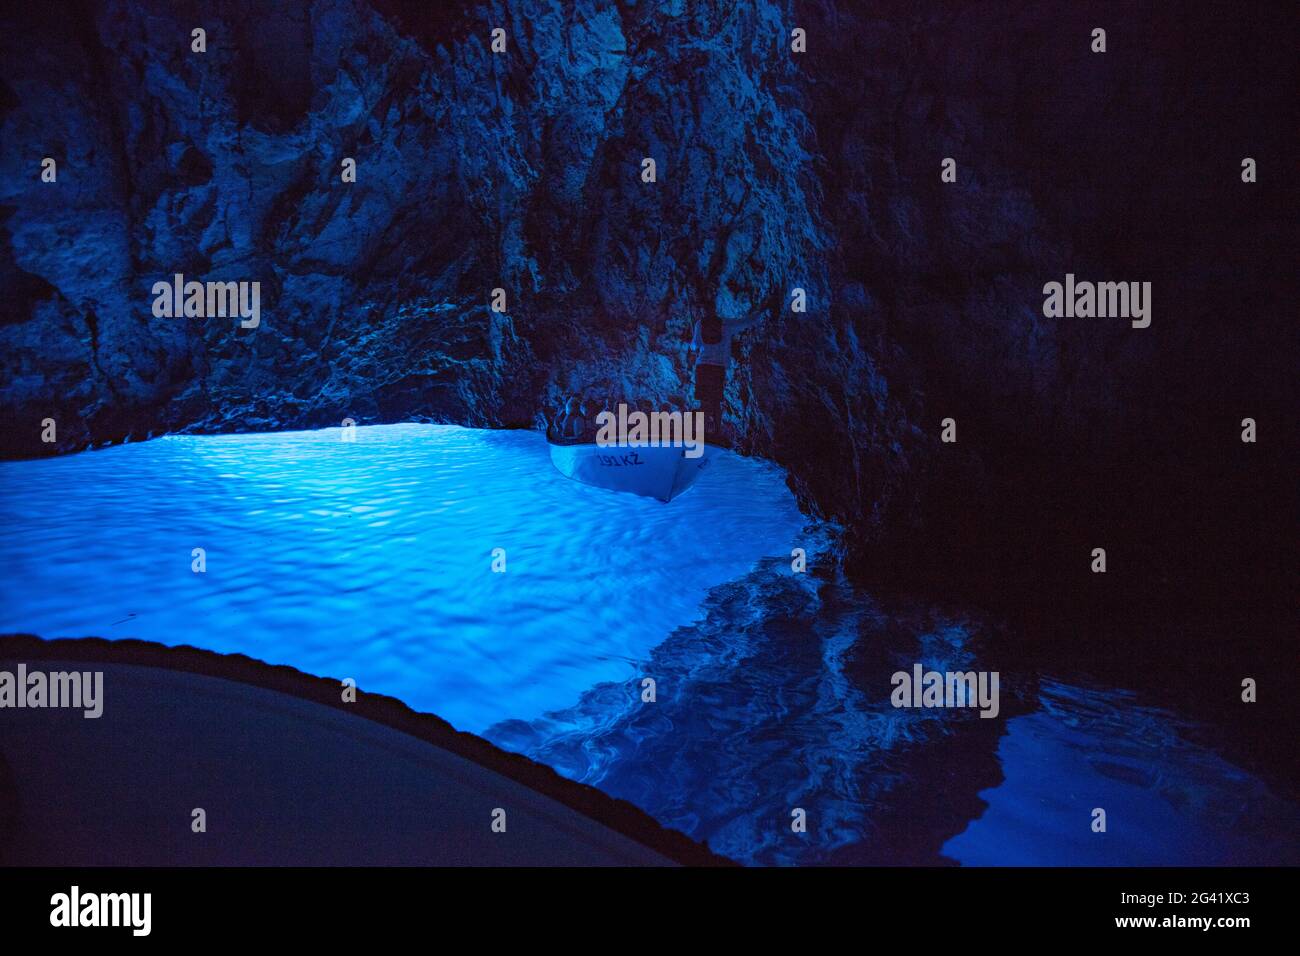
{"x":775,"y":170}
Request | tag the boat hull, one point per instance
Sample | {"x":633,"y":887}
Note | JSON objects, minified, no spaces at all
{"x":662,"y":473}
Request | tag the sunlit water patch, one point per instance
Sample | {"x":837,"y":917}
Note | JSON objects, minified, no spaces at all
{"x":373,"y":559}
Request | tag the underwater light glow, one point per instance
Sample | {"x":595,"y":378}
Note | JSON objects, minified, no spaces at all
{"x":372,"y":559}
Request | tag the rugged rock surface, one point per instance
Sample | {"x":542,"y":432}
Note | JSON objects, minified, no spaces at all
{"x":819,"y":170}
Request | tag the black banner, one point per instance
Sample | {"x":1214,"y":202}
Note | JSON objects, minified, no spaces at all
{"x":357,"y":905}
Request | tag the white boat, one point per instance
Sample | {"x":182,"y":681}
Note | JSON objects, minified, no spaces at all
{"x":661,"y":472}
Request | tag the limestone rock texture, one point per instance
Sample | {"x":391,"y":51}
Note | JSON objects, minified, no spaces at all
{"x":774,"y":170}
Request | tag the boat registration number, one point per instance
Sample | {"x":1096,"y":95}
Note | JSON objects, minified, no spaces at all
{"x":618,"y":461}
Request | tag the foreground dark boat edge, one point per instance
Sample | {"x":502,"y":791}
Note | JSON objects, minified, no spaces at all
{"x":618,"y":816}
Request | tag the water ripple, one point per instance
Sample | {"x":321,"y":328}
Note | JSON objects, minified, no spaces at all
{"x":372,"y":559}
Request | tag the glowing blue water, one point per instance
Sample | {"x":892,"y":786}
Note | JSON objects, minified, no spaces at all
{"x":373,"y":559}
{"x":1167,"y":800}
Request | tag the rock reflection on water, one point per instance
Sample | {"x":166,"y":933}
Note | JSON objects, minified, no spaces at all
{"x":1168,"y":801}
{"x":779,"y":699}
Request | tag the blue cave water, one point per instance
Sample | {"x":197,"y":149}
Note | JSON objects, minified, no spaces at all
{"x":372,"y":559}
